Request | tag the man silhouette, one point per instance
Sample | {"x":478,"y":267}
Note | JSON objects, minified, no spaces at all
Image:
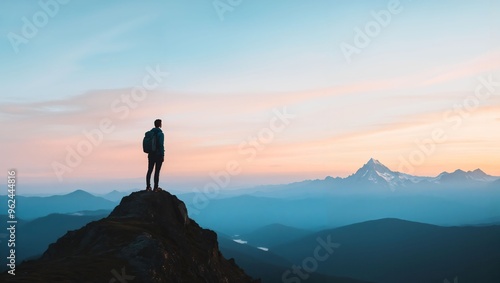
{"x":155,"y":159}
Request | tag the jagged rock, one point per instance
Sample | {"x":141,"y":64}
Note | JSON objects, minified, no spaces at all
{"x":147,"y":238}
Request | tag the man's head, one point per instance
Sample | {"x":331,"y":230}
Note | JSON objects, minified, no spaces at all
{"x":158,"y":123}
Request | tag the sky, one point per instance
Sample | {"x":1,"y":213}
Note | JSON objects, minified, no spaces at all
{"x":250,"y":92}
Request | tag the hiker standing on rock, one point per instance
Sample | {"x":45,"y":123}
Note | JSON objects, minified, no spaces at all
{"x":153,"y":145}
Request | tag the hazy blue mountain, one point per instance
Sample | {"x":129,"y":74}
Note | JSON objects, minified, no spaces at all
{"x":99,"y":212}
{"x":266,"y":265}
{"x":115,"y":195}
{"x":274,"y":234}
{"x":34,"y":207}
{"x":375,"y":177}
{"x":394,"y":251}
{"x":244,"y":214}
{"x":465,"y":179}
{"x":495,"y":184}
{"x":372,"y":192}
{"x":228,"y":246}
{"x":374,"y":174}
{"x":34,"y":237}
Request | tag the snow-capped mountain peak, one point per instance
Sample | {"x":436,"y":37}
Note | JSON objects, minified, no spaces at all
{"x":375,"y":172}
{"x":375,"y":165}
{"x":374,"y":176}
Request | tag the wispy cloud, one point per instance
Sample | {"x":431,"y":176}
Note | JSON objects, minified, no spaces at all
{"x":203,"y":133}
{"x":485,"y":63}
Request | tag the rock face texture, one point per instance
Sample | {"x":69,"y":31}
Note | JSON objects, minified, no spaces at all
{"x":147,"y":238}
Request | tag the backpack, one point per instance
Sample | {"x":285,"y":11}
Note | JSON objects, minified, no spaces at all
{"x":149,"y":142}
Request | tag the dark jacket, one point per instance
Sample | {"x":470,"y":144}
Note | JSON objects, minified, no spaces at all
{"x":160,"y":151}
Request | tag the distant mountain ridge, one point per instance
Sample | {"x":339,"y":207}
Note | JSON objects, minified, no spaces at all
{"x":394,"y":251}
{"x":35,"y":236}
{"x":271,"y":234}
{"x":461,"y":176}
{"x":374,"y":191}
{"x":374,"y":174}
{"x":76,"y":201}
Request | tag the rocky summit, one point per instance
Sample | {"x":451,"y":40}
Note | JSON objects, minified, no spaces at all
{"x":147,"y":238}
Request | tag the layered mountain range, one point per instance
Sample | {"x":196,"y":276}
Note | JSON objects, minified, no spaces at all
{"x":375,"y":175}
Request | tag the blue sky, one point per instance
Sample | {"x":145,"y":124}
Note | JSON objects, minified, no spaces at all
{"x":262,"y":55}
{"x":104,"y":44}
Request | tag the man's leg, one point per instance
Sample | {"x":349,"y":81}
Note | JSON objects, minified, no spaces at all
{"x":158,"y":164}
{"x":151,"y":164}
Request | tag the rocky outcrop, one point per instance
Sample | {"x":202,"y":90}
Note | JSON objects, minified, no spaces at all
{"x":147,"y":238}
